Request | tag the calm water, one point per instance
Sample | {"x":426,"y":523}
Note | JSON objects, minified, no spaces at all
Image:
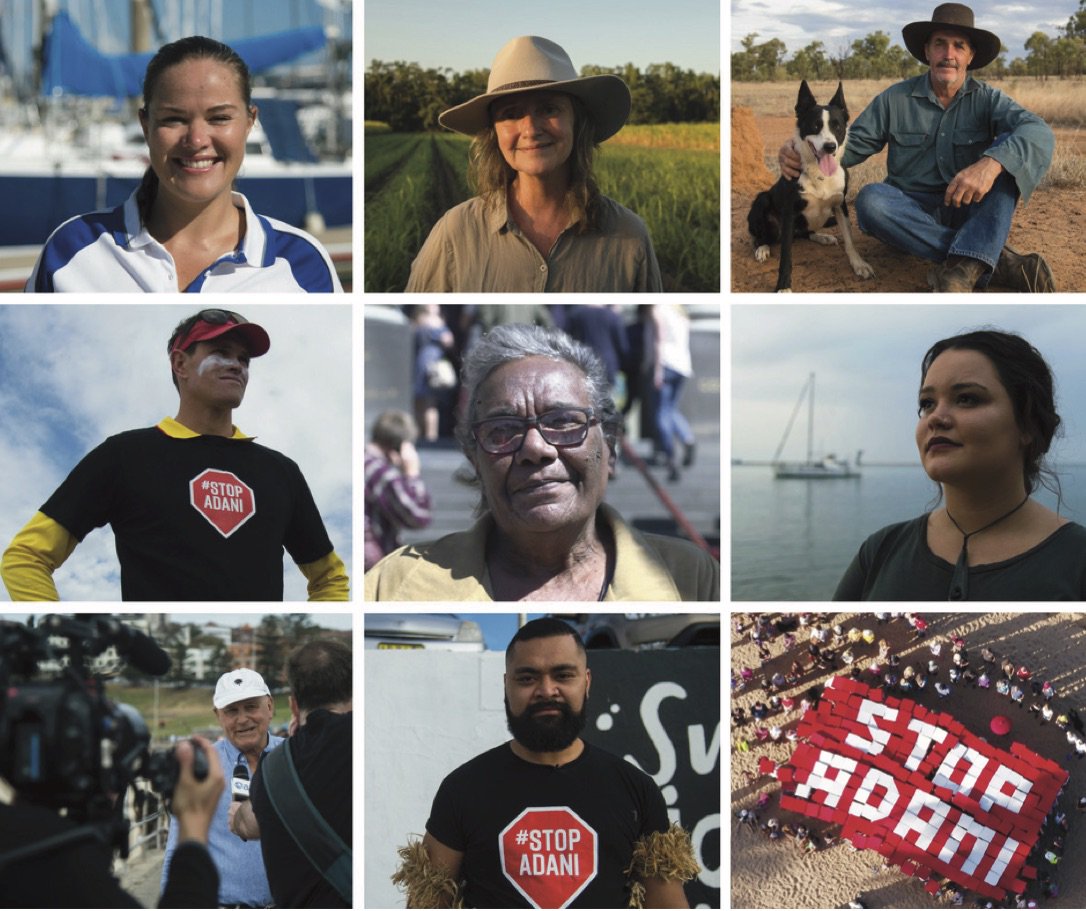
{"x":793,"y":540}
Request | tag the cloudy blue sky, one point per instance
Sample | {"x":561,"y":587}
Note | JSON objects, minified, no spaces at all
{"x":867,"y":360}
{"x":71,"y":375}
{"x":837,"y":23}
{"x":466,"y":36}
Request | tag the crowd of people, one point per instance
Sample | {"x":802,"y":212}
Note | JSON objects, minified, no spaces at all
{"x":798,"y":653}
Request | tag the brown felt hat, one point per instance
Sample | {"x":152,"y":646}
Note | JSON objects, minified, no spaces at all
{"x":530,"y":64}
{"x":959,"y":18}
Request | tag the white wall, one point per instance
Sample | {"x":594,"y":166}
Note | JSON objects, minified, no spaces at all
{"x":425,"y":714}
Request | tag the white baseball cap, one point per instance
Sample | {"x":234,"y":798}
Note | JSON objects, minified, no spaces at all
{"x":234,"y":686}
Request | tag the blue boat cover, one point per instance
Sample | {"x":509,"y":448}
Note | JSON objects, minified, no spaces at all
{"x":74,"y":66}
{"x":279,"y":119}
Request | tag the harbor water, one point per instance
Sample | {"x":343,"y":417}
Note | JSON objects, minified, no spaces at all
{"x":793,"y":539}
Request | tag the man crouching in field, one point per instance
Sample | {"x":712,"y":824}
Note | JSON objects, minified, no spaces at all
{"x":961,"y":153}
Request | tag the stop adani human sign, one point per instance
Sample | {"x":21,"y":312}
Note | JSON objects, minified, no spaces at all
{"x":916,"y":786}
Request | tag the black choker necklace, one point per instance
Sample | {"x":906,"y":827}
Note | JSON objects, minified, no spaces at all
{"x":959,"y":582}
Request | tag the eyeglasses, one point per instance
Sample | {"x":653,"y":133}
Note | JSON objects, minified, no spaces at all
{"x":562,"y":427}
{"x":215,"y":317}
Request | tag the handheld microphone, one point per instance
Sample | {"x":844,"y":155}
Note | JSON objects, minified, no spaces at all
{"x":239,"y":781}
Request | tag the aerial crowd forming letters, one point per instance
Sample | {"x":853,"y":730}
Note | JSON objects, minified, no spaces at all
{"x":916,"y":786}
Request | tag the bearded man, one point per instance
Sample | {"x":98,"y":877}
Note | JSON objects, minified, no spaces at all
{"x":547,"y":820}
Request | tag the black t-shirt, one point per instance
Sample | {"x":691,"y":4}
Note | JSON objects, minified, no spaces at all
{"x":79,"y":875}
{"x":321,"y":751}
{"x":576,"y":837}
{"x":896,"y":564}
{"x":204,"y":518}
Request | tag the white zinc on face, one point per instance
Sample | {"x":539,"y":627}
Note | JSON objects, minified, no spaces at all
{"x":216,"y":361}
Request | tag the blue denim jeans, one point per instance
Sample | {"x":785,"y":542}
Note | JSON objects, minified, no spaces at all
{"x":919,"y":223}
{"x":670,"y":422}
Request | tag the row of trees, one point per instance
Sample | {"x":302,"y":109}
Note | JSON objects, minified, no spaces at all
{"x":409,"y":98}
{"x":272,"y":641}
{"x":874,"y":57}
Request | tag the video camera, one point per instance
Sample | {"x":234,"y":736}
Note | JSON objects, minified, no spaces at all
{"x":63,"y":744}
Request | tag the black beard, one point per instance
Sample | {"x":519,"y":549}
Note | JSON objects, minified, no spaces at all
{"x":549,"y":734}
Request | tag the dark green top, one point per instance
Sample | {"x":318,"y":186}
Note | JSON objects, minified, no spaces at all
{"x":895,"y":564}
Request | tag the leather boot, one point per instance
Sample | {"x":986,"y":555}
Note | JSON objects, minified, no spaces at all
{"x":958,"y":274}
{"x":1023,"y":272}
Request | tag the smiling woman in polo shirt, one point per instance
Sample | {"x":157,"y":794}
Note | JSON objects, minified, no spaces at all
{"x":185,"y":228}
{"x":539,"y":222}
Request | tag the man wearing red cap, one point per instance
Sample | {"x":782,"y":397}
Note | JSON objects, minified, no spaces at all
{"x":199,"y":510}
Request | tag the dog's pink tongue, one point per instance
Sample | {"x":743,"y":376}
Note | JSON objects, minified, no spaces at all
{"x":827,"y":164}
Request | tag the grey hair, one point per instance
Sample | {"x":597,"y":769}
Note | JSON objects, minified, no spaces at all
{"x":503,"y":344}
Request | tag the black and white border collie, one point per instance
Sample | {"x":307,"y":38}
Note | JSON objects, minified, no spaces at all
{"x":799,"y":208}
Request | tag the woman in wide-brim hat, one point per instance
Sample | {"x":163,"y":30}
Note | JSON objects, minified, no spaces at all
{"x":539,"y":222}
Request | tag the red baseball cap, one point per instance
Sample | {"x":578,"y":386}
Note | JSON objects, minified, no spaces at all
{"x":210,"y":324}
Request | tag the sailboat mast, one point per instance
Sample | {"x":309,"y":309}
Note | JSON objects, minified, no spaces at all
{"x":810,"y":420}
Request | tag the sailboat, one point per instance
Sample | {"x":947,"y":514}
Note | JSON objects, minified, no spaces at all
{"x":829,"y":466}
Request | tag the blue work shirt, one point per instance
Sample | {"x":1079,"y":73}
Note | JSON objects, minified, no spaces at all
{"x":242,"y":879}
{"x":929,"y":144}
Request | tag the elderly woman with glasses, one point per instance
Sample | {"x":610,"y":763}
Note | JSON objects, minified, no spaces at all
{"x":540,"y":431}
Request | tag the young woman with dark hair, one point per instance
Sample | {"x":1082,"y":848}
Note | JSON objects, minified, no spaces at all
{"x":185,"y":228}
{"x":987,"y":418}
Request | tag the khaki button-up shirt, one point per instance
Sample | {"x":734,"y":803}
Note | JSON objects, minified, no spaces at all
{"x":477,"y":246}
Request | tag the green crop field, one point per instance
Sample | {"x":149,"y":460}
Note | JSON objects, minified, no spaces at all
{"x":668,"y":174}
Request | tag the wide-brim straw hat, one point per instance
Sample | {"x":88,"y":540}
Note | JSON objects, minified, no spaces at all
{"x":959,"y":18}
{"x":531,"y":63}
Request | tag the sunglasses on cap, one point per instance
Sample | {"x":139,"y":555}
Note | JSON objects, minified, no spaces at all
{"x":209,"y":324}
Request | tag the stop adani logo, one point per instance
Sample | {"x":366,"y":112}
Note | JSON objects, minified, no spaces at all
{"x":549,"y":854}
{"x":222,"y":498}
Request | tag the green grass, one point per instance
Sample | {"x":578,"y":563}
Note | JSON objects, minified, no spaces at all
{"x":398,"y":219}
{"x":668,"y":174}
{"x":677,"y":193}
{"x":180,"y":712}
{"x":454,"y":150}
{"x":385,"y":151}
{"x":705,"y":136}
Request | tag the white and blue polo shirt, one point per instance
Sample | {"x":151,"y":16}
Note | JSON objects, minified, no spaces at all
{"x":112,"y":251}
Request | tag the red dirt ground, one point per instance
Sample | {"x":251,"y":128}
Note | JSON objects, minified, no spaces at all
{"x":1053,"y":223}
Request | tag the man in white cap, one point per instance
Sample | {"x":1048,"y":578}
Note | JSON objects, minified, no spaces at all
{"x":244,"y":707}
{"x":961,"y":154}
